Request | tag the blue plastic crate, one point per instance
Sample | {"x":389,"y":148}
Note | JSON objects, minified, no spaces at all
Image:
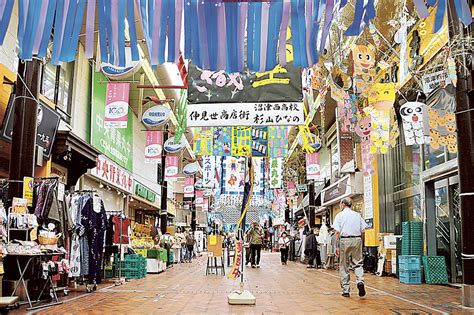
{"x":409,"y":263}
{"x":410,"y":277}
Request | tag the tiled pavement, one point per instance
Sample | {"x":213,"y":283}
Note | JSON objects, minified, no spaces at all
{"x":291,"y":289}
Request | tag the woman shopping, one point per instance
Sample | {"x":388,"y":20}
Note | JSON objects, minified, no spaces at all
{"x":284,"y":244}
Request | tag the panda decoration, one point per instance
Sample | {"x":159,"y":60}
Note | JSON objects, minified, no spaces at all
{"x":413,"y":122}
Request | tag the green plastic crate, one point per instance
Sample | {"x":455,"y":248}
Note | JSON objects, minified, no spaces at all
{"x":435,"y":270}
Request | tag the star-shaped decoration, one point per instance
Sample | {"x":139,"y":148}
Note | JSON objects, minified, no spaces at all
{"x":209,"y":95}
{"x":233,"y":93}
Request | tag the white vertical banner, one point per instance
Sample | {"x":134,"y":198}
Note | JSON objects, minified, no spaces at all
{"x":189,"y":187}
{"x":276,"y":173}
{"x":312,"y":166}
{"x":368,"y":202}
{"x":208,"y":171}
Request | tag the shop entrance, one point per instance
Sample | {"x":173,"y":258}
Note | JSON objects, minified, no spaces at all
{"x":444,"y":224}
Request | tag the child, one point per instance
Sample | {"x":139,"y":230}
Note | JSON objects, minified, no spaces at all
{"x":284,"y":243}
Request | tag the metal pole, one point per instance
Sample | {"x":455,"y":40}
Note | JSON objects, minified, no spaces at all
{"x":22,"y":156}
{"x":465,"y":126}
{"x":164,"y":191}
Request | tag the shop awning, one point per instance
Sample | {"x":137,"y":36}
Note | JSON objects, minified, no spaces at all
{"x":347,"y":186}
{"x":75,"y":154}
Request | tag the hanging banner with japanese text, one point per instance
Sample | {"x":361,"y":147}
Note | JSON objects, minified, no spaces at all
{"x":259,"y":141}
{"x":222,"y":141}
{"x":109,"y":172}
{"x":259,"y":177}
{"x":246,"y":114}
{"x":233,"y":175}
{"x":241,"y":141}
{"x":208,"y":171}
{"x":171,"y":167}
{"x":276,"y":173}
{"x":116,"y":105}
{"x":199,"y":200}
{"x":189,"y":187}
{"x":279,"y":84}
{"x":312,"y":166}
{"x":154,"y":147}
{"x":203,"y":142}
{"x":278,"y":142}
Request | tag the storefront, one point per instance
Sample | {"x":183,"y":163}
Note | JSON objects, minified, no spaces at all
{"x":144,"y":205}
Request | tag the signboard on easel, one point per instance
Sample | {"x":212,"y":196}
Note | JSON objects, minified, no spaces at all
{"x":215,"y":245}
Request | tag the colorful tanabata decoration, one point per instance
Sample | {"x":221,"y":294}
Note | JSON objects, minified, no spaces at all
{"x":363,"y":129}
{"x":233,"y":175}
{"x":380,"y":134}
{"x":259,"y":141}
{"x":442,"y":130}
{"x":363,"y":68}
{"x":276,"y":172}
{"x":278,"y":142}
{"x":307,"y":139}
{"x":222,"y":141}
{"x":347,"y":112}
{"x":241,"y":141}
{"x":413,"y":116}
{"x":382,"y":96}
{"x":203,"y":142}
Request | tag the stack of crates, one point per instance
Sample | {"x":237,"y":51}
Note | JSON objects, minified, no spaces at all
{"x":435,"y":270}
{"x":410,"y":269}
{"x":133,"y":266}
{"x":412,"y":238}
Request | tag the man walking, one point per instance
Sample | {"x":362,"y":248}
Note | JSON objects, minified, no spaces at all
{"x":349,"y":227}
{"x":256,"y":241}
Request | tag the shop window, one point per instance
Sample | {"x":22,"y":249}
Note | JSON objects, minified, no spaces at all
{"x":406,"y":161}
{"x":56,"y":85}
{"x":434,"y":157}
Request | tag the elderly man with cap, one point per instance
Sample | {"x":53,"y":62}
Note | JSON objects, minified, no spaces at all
{"x":349,"y":227}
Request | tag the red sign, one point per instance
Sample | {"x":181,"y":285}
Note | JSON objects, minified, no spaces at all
{"x":109,"y":172}
{"x":199,"y":197}
{"x":154,"y":147}
{"x":116,"y":105}
{"x":189,"y":187}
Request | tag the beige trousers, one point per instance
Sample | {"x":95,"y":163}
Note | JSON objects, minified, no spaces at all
{"x":350,"y":258}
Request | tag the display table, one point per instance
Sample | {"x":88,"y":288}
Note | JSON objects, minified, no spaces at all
{"x":30,"y":258}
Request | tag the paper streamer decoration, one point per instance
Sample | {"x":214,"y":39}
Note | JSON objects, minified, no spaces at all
{"x":313,"y":170}
{"x":364,"y":10}
{"x":414,"y":116}
{"x":347,"y":112}
{"x":363,"y":66}
{"x":442,"y":130}
{"x":171,"y":167}
{"x":259,"y":141}
{"x":276,"y":172}
{"x":189,"y":187}
{"x":208,"y":171}
{"x":363,"y":130}
{"x":462,"y":11}
{"x":154,"y":147}
{"x":380,"y":134}
{"x":241,"y":141}
{"x":203,"y":142}
{"x":222,"y":137}
{"x":382,"y":96}
{"x":278,"y":142}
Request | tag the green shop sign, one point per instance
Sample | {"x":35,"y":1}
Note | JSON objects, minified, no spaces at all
{"x":115,"y":143}
{"x":142,"y":191}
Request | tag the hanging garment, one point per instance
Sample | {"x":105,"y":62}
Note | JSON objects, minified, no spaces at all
{"x":125,"y":225}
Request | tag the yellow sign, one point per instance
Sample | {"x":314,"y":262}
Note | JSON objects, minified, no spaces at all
{"x":28,"y":183}
{"x":212,"y":240}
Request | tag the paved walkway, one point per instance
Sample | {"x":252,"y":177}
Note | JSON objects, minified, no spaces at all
{"x":290,"y":289}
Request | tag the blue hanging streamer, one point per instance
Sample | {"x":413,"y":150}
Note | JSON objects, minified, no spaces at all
{"x":188,"y":31}
{"x":132,"y":30}
{"x":121,"y":32}
{"x":34,"y":8}
{"x":431,"y":3}
{"x":195,"y":34}
{"x":171,"y":30}
{"x":162,"y":43}
{"x":250,"y":35}
{"x":314,"y":32}
{"x":71,"y":13}
{"x":76,"y":30}
{"x":211,"y":28}
{"x":295,"y":34}
{"x":354,"y":28}
{"x":342,"y":4}
{"x":22,"y":14}
{"x":369,"y":11}
{"x":439,"y":17}
{"x":104,"y":55}
{"x":463,"y":11}
{"x":302,"y":37}
{"x":231,"y":21}
{"x":5,"y":19}
{"x":144,"y":18}
{"x":257,"y":36}
{"x":57,"y":36}
{"x":108,"y":26}
{"x":48,"y":25}
{"x":274,"y":23}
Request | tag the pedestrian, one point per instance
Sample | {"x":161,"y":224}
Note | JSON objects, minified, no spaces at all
{"x":256,"y":241}
{"x":248,"y":250}
{"x":349,"y":228}
{"x":284,"y":244}
{"x":311,"y":249}
{"x":190,"y":241}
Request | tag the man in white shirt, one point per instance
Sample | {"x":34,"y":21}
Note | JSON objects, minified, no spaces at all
{"x":349,"y":227}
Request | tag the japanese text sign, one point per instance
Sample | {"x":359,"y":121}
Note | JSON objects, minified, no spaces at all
{"x":111,"y":173}
{"x":116,"y":105}
{"x":154,"y":147}
{"x":276,"y":173}
{"x":246,"y":114}
{"x":171,"y":167}
{"x":208,"y":171}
